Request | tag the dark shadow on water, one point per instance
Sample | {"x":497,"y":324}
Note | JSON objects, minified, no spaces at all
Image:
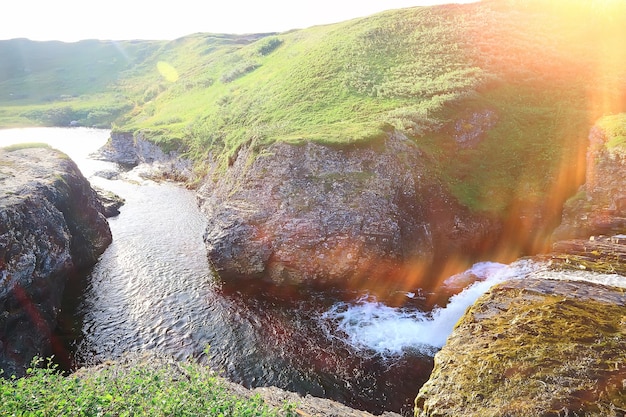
{"x":302,"y":356}
{"x":68,"y":332}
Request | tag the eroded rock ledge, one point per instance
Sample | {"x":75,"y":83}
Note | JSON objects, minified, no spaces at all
{"x":534,"y":347}
{"x":353,"y":217}
{"x":51,"y":226}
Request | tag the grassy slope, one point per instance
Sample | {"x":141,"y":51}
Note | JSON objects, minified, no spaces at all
{"x":52,"y":83}
{"x":614,"y":127}
{"x":548,"y":71}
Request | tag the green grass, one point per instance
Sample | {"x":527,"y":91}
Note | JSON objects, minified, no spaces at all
{"x":614,"y":128}
{"x":146,"y":388}
{"x":27,"y":145}
{"x":54,"y":83}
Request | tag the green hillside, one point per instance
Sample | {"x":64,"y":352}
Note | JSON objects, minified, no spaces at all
{"x":542,"y":71}
{"x":53,"y":83}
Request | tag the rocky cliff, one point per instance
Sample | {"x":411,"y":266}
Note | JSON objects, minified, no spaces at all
{"x":362,"y":216}
{"x":51,"y":226}
{"x":543,"y":347}
{"x":599,"y":208}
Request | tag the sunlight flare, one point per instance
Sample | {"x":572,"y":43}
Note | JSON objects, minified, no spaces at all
{"x":167,"y":71}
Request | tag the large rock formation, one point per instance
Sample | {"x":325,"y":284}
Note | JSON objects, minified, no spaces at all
{"x":592,"y":234}
{"x":599,"y":208}
{"x":367,"y":215}
{"x":51,"y":226}
{"x":534,"y":347}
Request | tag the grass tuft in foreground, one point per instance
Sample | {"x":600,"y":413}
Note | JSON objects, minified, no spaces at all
{"x":147,"y":387}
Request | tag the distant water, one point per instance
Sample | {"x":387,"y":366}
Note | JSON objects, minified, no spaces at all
{"x":153,"y":289}
{"x":77,"y":143}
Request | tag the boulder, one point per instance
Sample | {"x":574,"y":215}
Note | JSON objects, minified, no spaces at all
{"x":111,"y":202}
{"x":533,"y":347}
{"x":361,"y":216}
{"x":51,"y":226}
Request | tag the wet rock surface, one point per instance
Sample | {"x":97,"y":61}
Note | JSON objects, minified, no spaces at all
{"x":354,"y":217}
{"x":51,"y":226}
{"x":534,"y":347}
{"x":111,"y":202}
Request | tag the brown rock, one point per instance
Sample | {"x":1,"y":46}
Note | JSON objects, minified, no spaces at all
{"x":599,"y":208}
{"x":362,"y":216}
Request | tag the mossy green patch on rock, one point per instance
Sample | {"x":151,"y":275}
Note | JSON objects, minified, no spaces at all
{"x":20,"y":146}
{"x":534,"y":348}
{"x":614,"y":128}
{"x":602,"y":254}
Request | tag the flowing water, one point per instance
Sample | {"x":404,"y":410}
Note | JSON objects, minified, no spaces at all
{"x":153,"y":289}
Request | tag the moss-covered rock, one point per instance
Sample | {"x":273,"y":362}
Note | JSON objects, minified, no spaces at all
{"x":600,"y":254}
{"x":534,"y":347}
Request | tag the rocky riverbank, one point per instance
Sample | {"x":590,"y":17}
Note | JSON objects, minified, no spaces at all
{"x":147,"y":159}
{"x":319,"y":215}
{"x":51,"y":226}
{"x":370,"y":215}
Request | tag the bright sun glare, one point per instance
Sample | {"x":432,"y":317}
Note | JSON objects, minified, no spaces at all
{"x":72,"y":20}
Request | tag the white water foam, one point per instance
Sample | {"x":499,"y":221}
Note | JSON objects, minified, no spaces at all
{"x":371,"y":325}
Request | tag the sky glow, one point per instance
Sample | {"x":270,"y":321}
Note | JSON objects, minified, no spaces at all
{"x":73,"y":20}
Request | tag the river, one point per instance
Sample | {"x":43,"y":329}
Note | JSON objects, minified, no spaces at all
{"x":153,"y":289}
